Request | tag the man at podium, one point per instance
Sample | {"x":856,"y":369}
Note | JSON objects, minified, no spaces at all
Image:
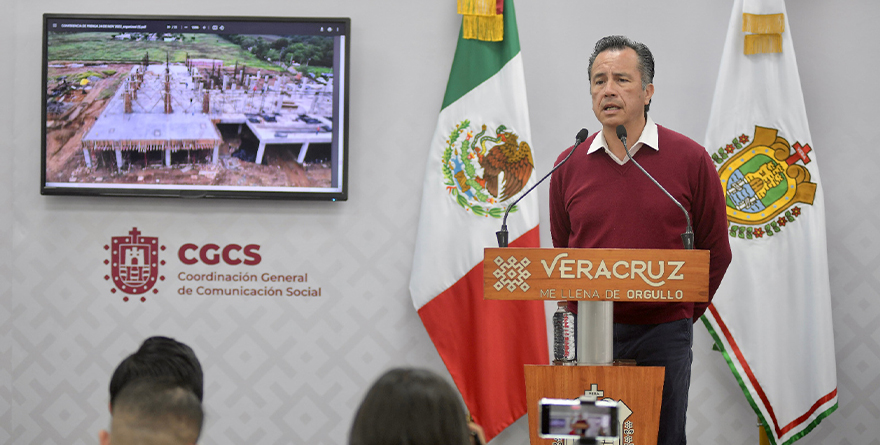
{"x":599,"y":199}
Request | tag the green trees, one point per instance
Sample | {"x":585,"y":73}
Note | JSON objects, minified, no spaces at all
{"x":304,"y":50}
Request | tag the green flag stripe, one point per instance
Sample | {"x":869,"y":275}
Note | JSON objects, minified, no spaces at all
{"x":745,"y":389}
{"x":476,"y":61}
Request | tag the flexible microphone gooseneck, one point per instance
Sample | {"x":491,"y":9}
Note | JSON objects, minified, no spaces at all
{"x":687,"y":238}
{"x":502,"y":234}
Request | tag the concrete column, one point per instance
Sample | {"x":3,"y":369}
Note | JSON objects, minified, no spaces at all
{"x":216,"y":154}
{"x":88,"y":158}
{"x":302,"y":153}
{"x":260,"y":151}
{"x":168,"y":157}
{"x":118,"y":159}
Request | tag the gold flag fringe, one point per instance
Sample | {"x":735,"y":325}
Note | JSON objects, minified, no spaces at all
{"x":763,"y":44}
{"x":765,"y":33}
{"x":476,"y":7}
{"x":764,"y":23}
{"x":485,"y":28}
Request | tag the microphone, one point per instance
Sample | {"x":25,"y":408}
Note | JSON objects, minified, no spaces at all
{"x":501,"y":235}
{"x":687,"y":238}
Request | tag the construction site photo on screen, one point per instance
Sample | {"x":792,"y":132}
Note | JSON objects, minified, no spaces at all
{"x":175,"y":104}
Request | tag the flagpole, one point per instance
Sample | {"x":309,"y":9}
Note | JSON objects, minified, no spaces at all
{"x":762,"y":434}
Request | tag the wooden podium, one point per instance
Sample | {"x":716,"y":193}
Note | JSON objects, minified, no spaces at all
{"x":596,"y":279}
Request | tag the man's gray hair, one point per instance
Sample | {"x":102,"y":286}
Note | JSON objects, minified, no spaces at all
{"x":646,"y":59}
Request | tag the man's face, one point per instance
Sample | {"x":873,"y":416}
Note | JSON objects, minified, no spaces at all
{"x":616,"y":89}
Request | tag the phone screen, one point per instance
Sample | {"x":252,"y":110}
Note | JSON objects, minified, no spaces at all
{"x":564,"y":418}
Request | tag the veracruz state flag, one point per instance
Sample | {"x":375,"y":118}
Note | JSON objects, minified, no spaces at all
{"x":480,"y":161}
{"x":772,"y":314}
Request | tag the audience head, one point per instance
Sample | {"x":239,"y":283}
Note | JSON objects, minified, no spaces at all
{"x":159,"y":357}
{"x":410,"y":407}
{"x":154,"y":411}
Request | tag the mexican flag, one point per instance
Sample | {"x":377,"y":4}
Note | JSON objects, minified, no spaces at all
{"x":479,"y":162}
{"x":771,"y":317}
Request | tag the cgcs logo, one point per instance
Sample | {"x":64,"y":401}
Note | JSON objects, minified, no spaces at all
{"x":134,"y":260}
{"x":211,"y":254}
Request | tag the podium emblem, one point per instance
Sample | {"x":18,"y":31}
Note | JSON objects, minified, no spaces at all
{"x":134,"y":263}
{"x":512,"y":274}
{"x":484,"y":169}
{"x":765,"y":181}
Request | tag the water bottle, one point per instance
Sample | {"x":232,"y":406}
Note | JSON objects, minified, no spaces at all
{"x":563,"y":335}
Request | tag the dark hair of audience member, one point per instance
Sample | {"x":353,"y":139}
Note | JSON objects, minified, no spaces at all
{"x":410,"y":407}
{"x":152,"y":411}
{"x":160,"y":357}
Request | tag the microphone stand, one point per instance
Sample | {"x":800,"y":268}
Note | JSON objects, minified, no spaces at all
{"x":502,"y":234}
{"x":687,"y":238}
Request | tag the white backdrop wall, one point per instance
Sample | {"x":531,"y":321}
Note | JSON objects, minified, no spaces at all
{"x":284,"y":370}
{"x":6,"y":302}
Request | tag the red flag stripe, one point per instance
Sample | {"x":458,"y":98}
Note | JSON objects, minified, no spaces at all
{"x":485,"y":343}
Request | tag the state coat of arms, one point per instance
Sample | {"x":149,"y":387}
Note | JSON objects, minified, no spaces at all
{"x":763,"y":182}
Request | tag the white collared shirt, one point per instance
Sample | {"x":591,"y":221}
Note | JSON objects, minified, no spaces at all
{"x":648,"y":137}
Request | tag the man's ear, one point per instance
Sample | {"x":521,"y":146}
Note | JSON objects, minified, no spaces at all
{"x":104,"y":437}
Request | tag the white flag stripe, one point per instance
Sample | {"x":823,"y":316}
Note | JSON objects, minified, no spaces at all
{"x":467,"y":232}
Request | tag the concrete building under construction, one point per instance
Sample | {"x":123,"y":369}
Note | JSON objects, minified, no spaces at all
{"x":173,"y":107}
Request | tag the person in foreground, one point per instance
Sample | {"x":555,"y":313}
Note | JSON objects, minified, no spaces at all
{"x":153,"y":411}
{"x":408,"y":406}
{"x":599,"y":199}
{"x":159,"y":357}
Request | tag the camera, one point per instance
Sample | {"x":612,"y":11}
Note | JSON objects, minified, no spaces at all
{"x":584,"y":418}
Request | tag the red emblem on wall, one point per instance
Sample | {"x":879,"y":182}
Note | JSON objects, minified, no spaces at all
{"x":134,"y":263}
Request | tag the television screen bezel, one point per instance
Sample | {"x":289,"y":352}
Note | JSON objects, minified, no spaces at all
{"x":339,"y":193}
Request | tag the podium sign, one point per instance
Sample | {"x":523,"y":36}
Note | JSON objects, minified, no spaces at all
{"x":619,"y":275}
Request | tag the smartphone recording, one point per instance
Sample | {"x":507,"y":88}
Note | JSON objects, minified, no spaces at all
{"x":578,"y":418}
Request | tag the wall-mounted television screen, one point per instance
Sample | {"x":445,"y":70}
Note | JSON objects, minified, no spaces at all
{"x":178,"y":106}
